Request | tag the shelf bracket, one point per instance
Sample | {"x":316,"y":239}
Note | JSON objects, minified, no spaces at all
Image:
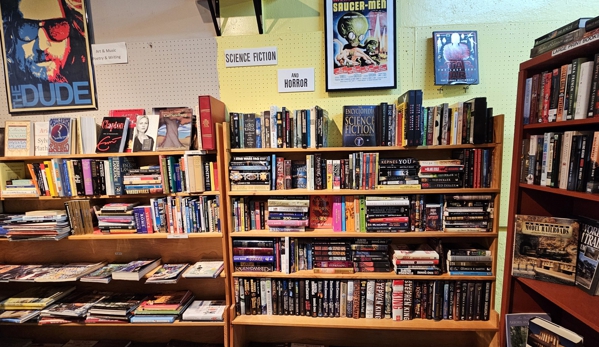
{"x":258,"y":11}
{"x":214,"y":6}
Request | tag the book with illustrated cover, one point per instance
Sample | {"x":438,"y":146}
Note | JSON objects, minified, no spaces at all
{"x":204,"y":269}
{"x":175,"y":129}
{"x":545,"y":248}
{"x":587,"y":273}
{"x":359,"y":126}
{"x":41,"y":138}
{"x":321,"y":212}
{"x":113,"y":135}
{"x":18,"y":316}
{"x":170,"y":302}
{"x":18,"y":139}
{"x":74,"y":305}
{"x":68,"y":272}
{"x":35,"y":298}
{"x":144,"y":133}
{"x":61,"y":132}
{"x":542,"y":333}
{"x":167,"y":274}
{"x":205,"y":310}
{"x":103,"y":274}
{"x":456,"y":57}
{"x":135,"y":270}
{"x":117,"y":304}
{"x":131,"y":114}
{"x":516,"y":327}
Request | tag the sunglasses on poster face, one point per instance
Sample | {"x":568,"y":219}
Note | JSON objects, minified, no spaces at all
{"x":56,"y":29}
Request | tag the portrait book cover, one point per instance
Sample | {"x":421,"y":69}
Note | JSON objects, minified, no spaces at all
{"x":456,"y":57}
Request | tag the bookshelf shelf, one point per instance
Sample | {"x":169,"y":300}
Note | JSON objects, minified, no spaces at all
{"x":96,"y":155}
{"x":355,"y":149}
{"x":287,"y":192}
{"x":143,"y":236}
{"x":330,"y":233}
{"x":368,"y":324}
{"x":360,"y":275}
{"x":176,"y":323}
{"x":130,"y":196}
{"x":567,"y":305}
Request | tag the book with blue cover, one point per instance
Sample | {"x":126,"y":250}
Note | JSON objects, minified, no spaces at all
{"x":359,"y":126}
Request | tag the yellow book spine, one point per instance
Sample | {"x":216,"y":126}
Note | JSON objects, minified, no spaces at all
{"x":72,"y":182}
{"x":212,"y":175}
{"x":50,"y":177}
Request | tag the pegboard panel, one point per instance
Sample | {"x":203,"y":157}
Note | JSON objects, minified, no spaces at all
{"x":158,"y":74}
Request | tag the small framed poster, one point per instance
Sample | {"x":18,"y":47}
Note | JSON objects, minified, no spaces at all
{"x":456,"y":57}
{"x":360,"y":45}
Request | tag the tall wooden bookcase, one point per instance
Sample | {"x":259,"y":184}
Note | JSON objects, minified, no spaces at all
{"x":367,"y":332}
{"x":567,"y":305}
{"x":172,"y":248}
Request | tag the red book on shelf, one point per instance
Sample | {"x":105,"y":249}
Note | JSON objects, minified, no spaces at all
{"x":212,"y":111}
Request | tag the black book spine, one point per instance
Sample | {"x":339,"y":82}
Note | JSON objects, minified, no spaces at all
{"x":307,"y":298}
{"x":479,"y":113}
{"x":291,"y":296}
{"x":320,"y":298}
{"x":305,"y":128}
{"x":574,"y":160}
{"x":280,"y":128}
{"x":583,"y":163}
{"x":275,"y":296}
{"x":486,"y":301}
{"x":314,"y":300}
{"x":288,"y":129}
{"x":363,"y":285}
{"x":234,"y":130}
{"x":247,"y":296}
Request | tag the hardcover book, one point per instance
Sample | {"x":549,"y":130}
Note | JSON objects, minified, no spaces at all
{"x":61,"y":136}
{"x":175,"y":129}
{"x":204,"y":269}
{"x":113,"y":135}
{"x":144,"y":133}
{"x":135,"y":270}
{"x":321,"y":212}
{"x":456,"y":57}
{"x":545,"y":248}
{"x":359,"y":126}
{"x":18,"y":139}
{"x":587,"y":275}
{"x":41,"y":137}
{"x":131,"y":114}
{"x":212,"y":111}
{"x":540,"y":331}
{"x":516,"y":327}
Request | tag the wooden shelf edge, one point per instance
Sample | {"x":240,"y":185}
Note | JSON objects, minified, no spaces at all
{"x":330,"y":233}
{"x":96,"y":155}
{"x":362,"y":192}
{"x":360,"y":149}
{"x":363,"y":323}
{"x":90,"y":197}
{"x":143,"y":236}
{"x":358,"y":275}
{"x":564,"y":192}
{"x":562,"y":124}
{"x":162,"y":325}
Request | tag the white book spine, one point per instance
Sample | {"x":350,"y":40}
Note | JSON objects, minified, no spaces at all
{"x":370,"y":298}
{"x":263,"y":302}
{"x":565,"y":160}
{"x":546,"y":139}
{"x":349,"y":297}
{"x":584,"y":90}
{"x":273,"y":126}
{"x":268,"y":285}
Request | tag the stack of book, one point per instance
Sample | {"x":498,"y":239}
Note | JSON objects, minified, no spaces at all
{"x":430,"y":168}
{"x":573,"y":31}
{"x":469,"y":262}
{"x":20,"y":188}
{"x":250,"y":172}
{"x":71,"y":309}
{"x":288,"y":214}
{"x":38,"y":225}
{"x":253,"y":255}
{"x":18,"y":316}
{"x":398,"y":171}
{"x":114,"y":308}
{"x":205,"y":310}
{"x":35,"y":298}
{"x":371,"y":255}
{"x":117,"y":217}
{"x":103,"y":274}
{"x":167,"y":274}
{"x":415,"y":260}
{"x":331,"y":256}
{"x":205,"y":269}
{"x":143,"y":180}
{"x":136,"y":269}
{"x":387,"y":213}
{"x":468,"y":213}
{"x":162,"y":307}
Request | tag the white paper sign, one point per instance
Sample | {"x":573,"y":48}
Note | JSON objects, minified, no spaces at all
{"x":109,"y":53}
{"x":296,"y":80}
{"x":251,"y":57}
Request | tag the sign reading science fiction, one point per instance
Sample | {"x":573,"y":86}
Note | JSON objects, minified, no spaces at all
{"x":46,"y":54}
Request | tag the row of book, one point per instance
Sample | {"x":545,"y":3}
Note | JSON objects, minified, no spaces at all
{"x":170,"y":214}
{"x":63,"y":305}
{"x":470,"y":168}
{"x":23,"y":342}
{"x":566,"y":92}
{"x":124,"y":130}
{"x":280,"y":128}
{"x":400,"y":213}
{"x":582,"y":29}
{"x":396,"y":299}
{"x":565,"y":160}
{"x":103,"y":272}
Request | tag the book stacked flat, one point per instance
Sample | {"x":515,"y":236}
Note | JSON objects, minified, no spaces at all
{"x":167,"y":274}
{"x":250,"y":172}
{"x":205,"y":269}
{"x":114,"y":308}
{"x":35,"y":298}
{"x":332,"y":256}
{"x":394,"y":172}
{"x":71,"y":309}
{"x":162,"y":307}
{"x":387,"y":213}
{"x":136,"y":269}
{"x":143,"y":180}
{"x":415,"y":260}
{"x":468,"y":213}
{"x":434,"y":174}
{"x":103,"y":274}
{"x":38,"y":225}
{"x":371,"y":255}
{"x":18,"y":316}
{"x":205,"y":310}
{"x":253,"y":255}
{"x":288,"y":214}
{"x":117,"y":217}
{"x":469,"y":262}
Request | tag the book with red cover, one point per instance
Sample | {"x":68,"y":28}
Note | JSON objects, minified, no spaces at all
{"x":113,"y":135}
{"x":212,"y":111}
{"x":60,"y":134}
{"x":132,"y":115}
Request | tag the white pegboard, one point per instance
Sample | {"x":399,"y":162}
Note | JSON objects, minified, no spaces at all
{"x":158,"y":74}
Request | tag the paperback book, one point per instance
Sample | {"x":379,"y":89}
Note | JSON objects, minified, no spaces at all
{"x":62,"y":135}
{"x":205,"y":310}
{"x":135,"y":270}
{"x":587,"y":275}
{"x":175,"y":129}
{"x":204,"y":269}
{"x":113,"y":135}
{"x":167,"y":274}
{"x":516,"y":327}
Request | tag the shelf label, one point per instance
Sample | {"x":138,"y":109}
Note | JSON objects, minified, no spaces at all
{"x":251,"y":57}
{"x":177,"y":236}
{"x":296,"y":80}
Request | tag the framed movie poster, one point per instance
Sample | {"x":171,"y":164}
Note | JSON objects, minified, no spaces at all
{"x":46,"y":54}
{"x":456,"y":57}
{"x":360,"y":44}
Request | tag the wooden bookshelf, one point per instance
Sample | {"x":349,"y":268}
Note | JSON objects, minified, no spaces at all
{"x":567,"y":305}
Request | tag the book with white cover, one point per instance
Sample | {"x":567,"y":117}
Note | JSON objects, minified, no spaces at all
{"x":581,"y":103}
{"x":135,"y":270}
{"x":88,"y":134}
{"x":40,"y":131}
{"x":205,"y":310}
{"x":204,"y":269}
